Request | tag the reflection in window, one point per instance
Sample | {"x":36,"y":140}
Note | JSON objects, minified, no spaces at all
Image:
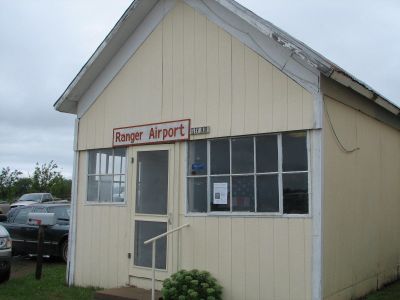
{"x":219,"y":152}
{"x":197,"y":158}
{"x":267,"y":193}
{"x":294,"y":151}
{"x":261,"y":174}
{"x":106,"y":175}
{"x":243,"y":193}
{"x":242,"y":155}
{"x":295,"y":193}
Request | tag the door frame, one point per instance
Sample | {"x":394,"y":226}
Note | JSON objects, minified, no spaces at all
{"x":139,"y":271}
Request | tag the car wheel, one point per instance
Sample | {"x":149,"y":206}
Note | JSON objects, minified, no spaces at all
{"x":64,"y":250}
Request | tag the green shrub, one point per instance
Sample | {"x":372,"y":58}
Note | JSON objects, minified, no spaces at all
{"x":191,"y":285}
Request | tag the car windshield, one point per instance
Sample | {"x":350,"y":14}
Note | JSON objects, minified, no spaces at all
{"x":30,"y":197}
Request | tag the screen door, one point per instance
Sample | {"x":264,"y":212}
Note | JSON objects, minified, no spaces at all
{"x":151,"y":206}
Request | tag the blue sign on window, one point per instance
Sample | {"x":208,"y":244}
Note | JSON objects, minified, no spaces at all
{"x":198,"y":166}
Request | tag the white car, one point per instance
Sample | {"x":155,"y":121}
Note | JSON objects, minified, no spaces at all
{"x":28,"y":199}
{"x":5,"y":254}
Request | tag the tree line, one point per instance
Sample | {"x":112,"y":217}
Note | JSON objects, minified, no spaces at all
{"x":46,"y":178}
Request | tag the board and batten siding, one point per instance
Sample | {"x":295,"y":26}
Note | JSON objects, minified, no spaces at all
{"x":361,"y":226}
{"x":191,"y":68}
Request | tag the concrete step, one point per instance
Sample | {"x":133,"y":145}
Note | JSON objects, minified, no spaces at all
{"x":125,"y":293}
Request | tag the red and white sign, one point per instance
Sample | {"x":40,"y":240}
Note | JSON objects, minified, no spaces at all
{"x":152,"y":133}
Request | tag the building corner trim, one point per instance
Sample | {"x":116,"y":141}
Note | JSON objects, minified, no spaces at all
{"x":317,"y":205}
{"x":72,"y":229}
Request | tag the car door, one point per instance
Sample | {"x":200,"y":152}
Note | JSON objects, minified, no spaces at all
{"x":54,"y":234}
{"x":18,"y":230}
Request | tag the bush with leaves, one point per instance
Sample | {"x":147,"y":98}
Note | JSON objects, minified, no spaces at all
{"x":191,"y":285}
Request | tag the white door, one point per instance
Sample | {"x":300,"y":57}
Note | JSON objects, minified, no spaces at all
{"x":152,"y":185}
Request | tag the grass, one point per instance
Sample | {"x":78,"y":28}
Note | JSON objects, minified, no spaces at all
{"x":390,"y":292}
{"x":51,"y":286}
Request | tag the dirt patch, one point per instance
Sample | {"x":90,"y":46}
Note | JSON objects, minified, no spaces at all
{"x":24,"y":265}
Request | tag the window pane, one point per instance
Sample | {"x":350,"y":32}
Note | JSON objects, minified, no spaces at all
{"x":119,"y":160}
{"x":197,"y":194}
{"x":242,"y":193}
{"x":105,"y":188}
{"x":219,"y":152}
{"x":243,"y":155}
{"x":294,"y":151}
{"x":267,"y":153}
{"x":106,"y":163}
{"x":295,"y":193}
{"x":220,"y":193}
{"x":152,"y":182}
{"x":94,"y":162}
{"x":92,"y":188}
{"x":145,"y":230}
{"x":119,"y":188}
{"x":197,"y":158}
{"x":22,"y":216}
{"x":267,"y":193}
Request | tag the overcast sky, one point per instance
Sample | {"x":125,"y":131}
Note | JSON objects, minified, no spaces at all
{"x":44,"y":43}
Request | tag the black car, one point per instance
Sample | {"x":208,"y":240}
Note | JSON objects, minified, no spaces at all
{"x":24,"y":236}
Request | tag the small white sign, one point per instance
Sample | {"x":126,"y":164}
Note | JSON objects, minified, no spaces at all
{"x":220,"y":193}
{"x":200,"y":130}
{"x":156,"y":133}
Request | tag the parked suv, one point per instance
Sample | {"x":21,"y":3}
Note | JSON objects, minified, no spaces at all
{"x":24,"y":236}
{"x":5,"y":254}
{"x":28,"y":199}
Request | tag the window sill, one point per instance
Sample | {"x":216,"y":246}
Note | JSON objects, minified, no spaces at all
{"x":86,"y":203}
{"x":249,"y":215}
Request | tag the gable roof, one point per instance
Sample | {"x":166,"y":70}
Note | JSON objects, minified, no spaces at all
{"x":255,"y":28}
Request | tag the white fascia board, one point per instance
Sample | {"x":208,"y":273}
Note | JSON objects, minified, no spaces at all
{"x":259,"y":38}
{"x":119,"y":60}
{"x":387,"y":105}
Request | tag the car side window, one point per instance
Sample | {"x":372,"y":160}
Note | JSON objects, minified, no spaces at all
{"x":62,"y":213}
{"x":22,"y":216}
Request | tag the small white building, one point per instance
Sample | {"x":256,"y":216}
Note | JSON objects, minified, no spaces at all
{"x":286,"y":167}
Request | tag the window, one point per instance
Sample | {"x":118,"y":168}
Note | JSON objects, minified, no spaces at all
{"x":106,"y":175}
{"x":22,"y":215}
{"x":252,"y":174}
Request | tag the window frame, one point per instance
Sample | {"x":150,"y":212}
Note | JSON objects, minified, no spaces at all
{"x":87,"y":175}
{"x":279,"y":172}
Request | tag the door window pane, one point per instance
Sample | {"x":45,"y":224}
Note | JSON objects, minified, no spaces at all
{"x":197,"y":158}
{"x":243,"y":193}
{"x":243,"y":155}
{"x":197,"y":194}
{"x":145,"y":230}
{"x":220,"y":193}
{"x":152,"y":182}
{"x":267,"y":193}
{"x":294,"y":151}
{"x":267,"y":153}
{"x":219,"y":152}
{"x":295,"y":193}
